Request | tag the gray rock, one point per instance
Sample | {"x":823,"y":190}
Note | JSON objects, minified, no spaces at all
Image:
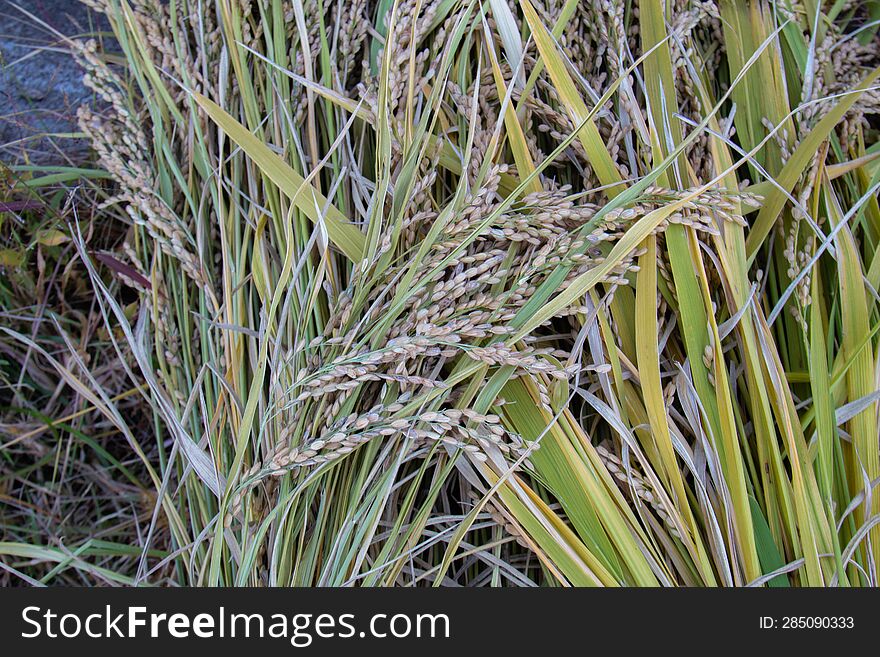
{"x":40,"y":83}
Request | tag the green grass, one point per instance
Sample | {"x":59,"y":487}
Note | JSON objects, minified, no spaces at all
{"x":449,"y":293}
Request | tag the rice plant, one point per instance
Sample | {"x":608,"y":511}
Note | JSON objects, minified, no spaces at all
{"x":448,"y":292}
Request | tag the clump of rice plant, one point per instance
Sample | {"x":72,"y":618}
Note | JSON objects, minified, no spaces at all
{"x":446,"y":292}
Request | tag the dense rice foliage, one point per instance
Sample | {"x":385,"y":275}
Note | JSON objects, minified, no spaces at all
{"x":447,"y":292}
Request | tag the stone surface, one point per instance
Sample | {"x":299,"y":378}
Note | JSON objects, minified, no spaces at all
{"x":40,"y":83}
